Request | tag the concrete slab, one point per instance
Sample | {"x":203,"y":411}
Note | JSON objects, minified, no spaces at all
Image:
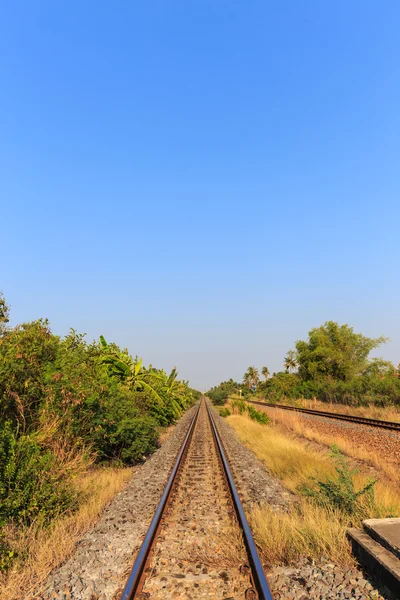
{"x":377,"y":560}
{"x":386,"y":532}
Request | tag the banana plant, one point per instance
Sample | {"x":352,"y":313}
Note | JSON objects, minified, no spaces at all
{"x":132,"y":372}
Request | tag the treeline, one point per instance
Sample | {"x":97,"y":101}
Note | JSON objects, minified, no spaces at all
{"x":65,"y":404}
{"x":332,"y":365}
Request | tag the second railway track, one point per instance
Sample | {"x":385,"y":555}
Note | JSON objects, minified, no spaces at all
{"x":199,"y":544}
{"x":392,"y":425}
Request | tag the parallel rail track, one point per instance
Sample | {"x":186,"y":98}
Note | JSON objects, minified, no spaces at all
{"x":198,"y":502}
{"x":340,"y":416}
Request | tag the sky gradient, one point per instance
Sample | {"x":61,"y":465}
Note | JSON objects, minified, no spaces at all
{"x":202,"y":182}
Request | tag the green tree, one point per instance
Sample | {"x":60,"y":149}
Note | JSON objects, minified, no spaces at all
{"x":334,"y":351}
{"x":251,"y":377}
{"x":4,"y":313}
{"x":265,"y":372}
{"x":290,"y":361}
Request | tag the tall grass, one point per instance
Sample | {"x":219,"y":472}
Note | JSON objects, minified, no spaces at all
{"x":284,"y":538}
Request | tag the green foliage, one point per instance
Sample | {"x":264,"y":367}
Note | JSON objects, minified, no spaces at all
{"x":334,"y":351}
{"x":340,"y":491}
{"x":33,"y":485}
{"x":334,"y":366}
{"x":220,"y":393}
{"x":65,"y":403}
{"x":265,"y":372}
{"x":257,"y":415}
{"x":224,"y":412}
{"x":7,"y":555}
{"x":4,"y":313}
{"x":290,"y":361}
{"x":238,"y":406}
{"x":241,"y":407}
{"x":251,"y":378}
{"x":132,"y":439}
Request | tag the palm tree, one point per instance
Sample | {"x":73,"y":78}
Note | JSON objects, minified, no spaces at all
{"x":265,"y":372}
{"x":251,"y":377}
{"x":290,"y":361}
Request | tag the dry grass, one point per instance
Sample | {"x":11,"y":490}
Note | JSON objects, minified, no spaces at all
{"x":165,"y":433}
{"x":297,"y":424}
{"x":42,"y":550}
{"x":286,"y":458}
{"x":283,"y":538}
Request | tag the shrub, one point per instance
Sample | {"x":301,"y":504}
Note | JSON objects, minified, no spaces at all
{"x":340,"y":491}
{"x":238,"y":406}
{"x":132,"y":439}
{"x":224,"y":412}
{"x":6,"y":554}
{"x":33,"y":483}
{"x":257,"y":415}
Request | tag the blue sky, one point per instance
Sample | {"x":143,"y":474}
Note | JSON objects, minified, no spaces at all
{"x":202,"y":181}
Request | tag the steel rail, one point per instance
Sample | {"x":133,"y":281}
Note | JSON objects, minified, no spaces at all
{"x":260,"y":581}
{"x":140,"y":562}
{"x":340,"y":416}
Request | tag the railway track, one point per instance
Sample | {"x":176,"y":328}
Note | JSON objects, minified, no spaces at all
{"x":199,"y":544}
{"x":339,"y":416}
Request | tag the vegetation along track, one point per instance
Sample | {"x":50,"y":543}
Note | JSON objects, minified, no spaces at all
{"x":199,"y":544}
{"x":330,"y":415}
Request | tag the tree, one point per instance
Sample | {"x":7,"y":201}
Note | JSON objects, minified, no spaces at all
{"x":4,"y":313}
{"x":378,"y":367}
{"x":251,"y":377}
{"x":265,"y":372}
{"x":290,"y":361}
{"x":334,"y":351}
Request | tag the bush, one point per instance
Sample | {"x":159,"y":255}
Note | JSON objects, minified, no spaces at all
{"x":224,"y":412}
{"x":238,"y":406}
{"x":257,"y":415}
{"x":6,"y":554}
{"x":132,"y":439}
{"x":33,"y":483}
{"x":340,"y":492}
{"x":220,"y":394}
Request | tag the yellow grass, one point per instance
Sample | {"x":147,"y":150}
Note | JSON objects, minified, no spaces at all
{"x":306,"y":530}
{"x":298,"y":425}
{"x":45,"y":549}
{"x":286,"y":537}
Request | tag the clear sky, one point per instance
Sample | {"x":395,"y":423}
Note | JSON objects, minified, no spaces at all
{"x":202,"y":181}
